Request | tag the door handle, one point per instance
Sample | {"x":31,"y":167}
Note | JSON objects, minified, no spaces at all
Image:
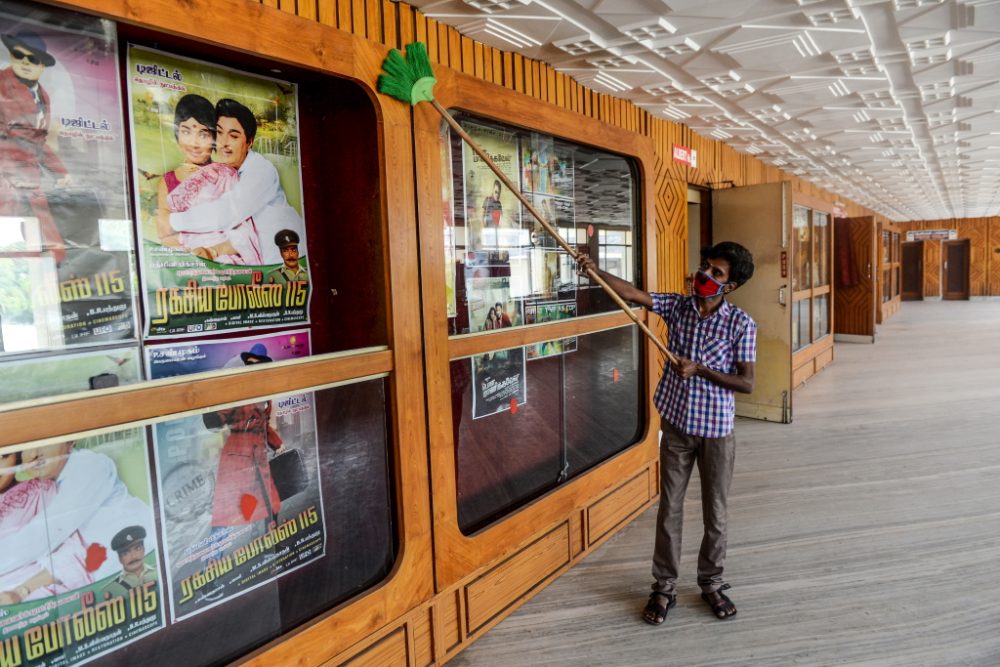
{"x":781,"y":294}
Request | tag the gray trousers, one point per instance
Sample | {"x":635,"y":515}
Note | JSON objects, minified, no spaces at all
{"x":678,"y":454}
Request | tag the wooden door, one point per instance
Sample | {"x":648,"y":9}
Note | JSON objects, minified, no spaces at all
{"x":855,"y":299}
{"x":956,"y":270}
{"x":913,"y":271}
{"x":758,"y":217}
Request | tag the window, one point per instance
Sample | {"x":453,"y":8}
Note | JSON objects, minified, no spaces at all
{"x":528,"y":418}
{"x":811,"y":249}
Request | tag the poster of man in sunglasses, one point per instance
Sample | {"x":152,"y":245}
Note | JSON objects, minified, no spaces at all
{"x":65,"y":229}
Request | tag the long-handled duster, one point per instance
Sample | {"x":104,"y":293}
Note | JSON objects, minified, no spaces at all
{"x":410,"y":79}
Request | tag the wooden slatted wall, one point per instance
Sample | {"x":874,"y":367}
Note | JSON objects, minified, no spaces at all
{"x":397,"y":24}
{"x":984,"y":253}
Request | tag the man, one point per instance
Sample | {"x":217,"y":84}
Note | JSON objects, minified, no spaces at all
{"x":715,"y":345}
{"x":290,"y":271}
{"x":90,"y":498}
{"x":502,"y":316}
{"x":492,"y":207}
{"x":24,"y":126}
{"x":128,"y":544}
{"x":257,"y":195}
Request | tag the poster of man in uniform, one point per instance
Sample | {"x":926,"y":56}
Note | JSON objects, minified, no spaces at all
{"x":218,"y":197}
{"x":491,"y":208}
{"x":499,"y":382}
{"x":79,"y":567}
{"x":239,"y":487}
{"x":66,"y":265}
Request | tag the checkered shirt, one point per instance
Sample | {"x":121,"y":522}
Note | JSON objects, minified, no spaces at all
{"x":727,"y":336}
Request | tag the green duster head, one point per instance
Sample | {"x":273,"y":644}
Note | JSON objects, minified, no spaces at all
{"x":408,"y":78}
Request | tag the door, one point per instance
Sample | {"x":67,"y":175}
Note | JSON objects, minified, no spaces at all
{"x":956,"y":270}
{"x":855,"y":300}
{"x":913,"y":271}
{"x":758,"y":217}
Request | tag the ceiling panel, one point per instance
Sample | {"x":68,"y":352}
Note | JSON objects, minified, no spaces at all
{"x":891,"y":103}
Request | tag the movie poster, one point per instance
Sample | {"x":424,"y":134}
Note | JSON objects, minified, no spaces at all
{"x":23,"y":379}
{"x":499,"y":382}
{"x":218,"y":196}
{"x":79,"y":568}
{"x":196,"y":356}
{"x":66,"y":264}
{"x":537,"y":313}
{"x":492,"y":210}
{"x":239,"y":487}
{"x":490,"y":304}
{"x":546,"y":166}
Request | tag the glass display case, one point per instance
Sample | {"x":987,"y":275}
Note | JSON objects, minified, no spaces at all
{"x":811,"y":249}
{"x":524,"y":416}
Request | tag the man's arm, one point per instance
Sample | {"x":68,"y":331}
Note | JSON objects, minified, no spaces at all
{"x":625,"y":289}
{"x":257,"y":187}
{"x":741,"y":381}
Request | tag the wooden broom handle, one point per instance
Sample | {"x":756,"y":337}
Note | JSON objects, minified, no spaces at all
{"x":549,"y":228}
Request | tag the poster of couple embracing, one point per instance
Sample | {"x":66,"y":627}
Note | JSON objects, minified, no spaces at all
{"x":218,"y":196}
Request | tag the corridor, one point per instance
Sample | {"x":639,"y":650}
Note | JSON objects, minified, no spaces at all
{"x":866,"y":532}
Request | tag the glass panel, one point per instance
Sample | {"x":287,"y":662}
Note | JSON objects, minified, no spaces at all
{"x":821,"y":316}
{"x":821,"y":255}
{"x":895,"y":284}
{"x":527,"y":419}
{"x":248,"y":547}
{"x":502,"y":266}
{"x":886,"y":286}
{"x":800,"y":324}
{"x":69,"y":285}
{"x":801,"y":248}
{"x":886,"y":256}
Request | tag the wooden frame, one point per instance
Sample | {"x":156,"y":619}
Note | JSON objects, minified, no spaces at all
{"x":303,"y":43}
{"x":889,"y":270}
{"x":811,"y":358}
{"x":457,"y":555}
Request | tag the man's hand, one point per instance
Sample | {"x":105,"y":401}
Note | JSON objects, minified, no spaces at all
{"x":65,"y":181}
{"x":585,"y":263}
{"x":685,"y":368}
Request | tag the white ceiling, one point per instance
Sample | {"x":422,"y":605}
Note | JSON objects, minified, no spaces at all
{"x":891,"y":103}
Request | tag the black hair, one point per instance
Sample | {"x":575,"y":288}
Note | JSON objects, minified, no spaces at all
{"x":197,"y":107}
{"x":243,"y":115}
{"x":739,"y":258}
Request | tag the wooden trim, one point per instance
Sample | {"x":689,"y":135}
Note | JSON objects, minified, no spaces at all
{"x":457,"y":554}
{"x":471,"y":344}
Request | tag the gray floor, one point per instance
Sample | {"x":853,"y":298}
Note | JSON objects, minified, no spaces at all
{"x":865,"y":533}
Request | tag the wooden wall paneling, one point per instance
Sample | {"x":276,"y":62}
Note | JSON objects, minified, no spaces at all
{"x":390,"y":651}
{"x":373,"y":20}
{"x":517,"y":64}
{"x":454,"y":48}
{"x":359,"y":19}
{"x":976,"y":230}
{"x":422,"y":634}
{"x":345,"y":20}
{"x":420,"y":34}
{"x":327,"y":12}
{"x":499,"y":73}
{"x":390,"y":26}
{"x":466,"y":63}
{"x":456,"y":554}
{"x":304,"y":8}
{"x":993,"y":256}
{"x":405,"y":20}
{"x":615,"y":508}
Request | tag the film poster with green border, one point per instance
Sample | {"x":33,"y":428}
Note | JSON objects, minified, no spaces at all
{"x":230,"y":273}
{"x":80,"y":564}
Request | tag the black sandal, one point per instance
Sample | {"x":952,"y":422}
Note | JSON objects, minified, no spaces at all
{"x":655,"y":611}
{"x":720,"y":606}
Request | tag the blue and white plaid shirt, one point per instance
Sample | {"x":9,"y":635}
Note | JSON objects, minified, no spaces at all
{"x":696,"y":406}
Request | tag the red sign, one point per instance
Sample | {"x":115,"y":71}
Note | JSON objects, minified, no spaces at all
{"x":685,"y":155}
{"x":784,"y":263}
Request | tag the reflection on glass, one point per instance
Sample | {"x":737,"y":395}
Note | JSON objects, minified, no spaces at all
{"x":821,"y":316}
{"x":800,"y":324}
{"x":886,"y":287}
{"x":801,"y":248}
{"x":255,"y":517}
{"x":528,"y":419}
{"x":499,"y":257}
{"x":821,"y":256}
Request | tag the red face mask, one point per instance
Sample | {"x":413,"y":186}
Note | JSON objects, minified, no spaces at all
{"x":705,"y":286}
